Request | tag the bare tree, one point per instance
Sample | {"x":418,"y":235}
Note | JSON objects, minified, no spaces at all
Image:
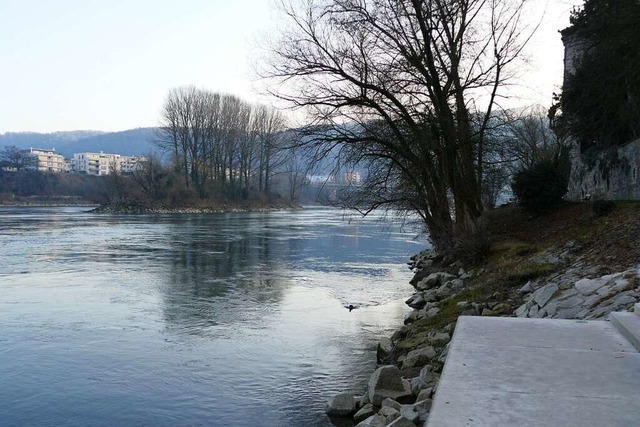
{"x":394,"y":84}
{"x":150,"y":177}
{"x":15,"y":158}
{"x":269,"y":125}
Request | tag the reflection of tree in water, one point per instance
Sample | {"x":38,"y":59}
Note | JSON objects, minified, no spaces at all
{"x":224,"y":269}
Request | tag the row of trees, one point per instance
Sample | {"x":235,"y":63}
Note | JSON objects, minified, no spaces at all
{"x":221,"y":144}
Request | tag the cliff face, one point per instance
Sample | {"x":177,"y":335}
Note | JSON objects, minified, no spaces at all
{"x":611,"y":174}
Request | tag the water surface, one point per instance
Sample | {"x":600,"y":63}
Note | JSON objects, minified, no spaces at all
{"x":213,"y":319}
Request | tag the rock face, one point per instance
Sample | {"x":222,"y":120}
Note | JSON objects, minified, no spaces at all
{"x":341,"y":405}
{"x":610,"y":177}
{"x":387,"y":382}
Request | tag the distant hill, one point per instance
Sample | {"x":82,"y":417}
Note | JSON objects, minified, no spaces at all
{"x":132,"y":142}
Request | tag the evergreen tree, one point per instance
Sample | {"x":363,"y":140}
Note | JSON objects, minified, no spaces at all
{"x":601,"y":99}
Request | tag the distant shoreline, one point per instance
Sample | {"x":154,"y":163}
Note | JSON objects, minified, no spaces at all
{"x":43,"y":202}
{"x":142,"y":209}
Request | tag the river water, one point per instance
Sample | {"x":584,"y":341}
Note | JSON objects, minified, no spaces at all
{"x":177,"y":320}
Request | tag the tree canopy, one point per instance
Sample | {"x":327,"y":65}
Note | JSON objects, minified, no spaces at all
{"x":601,"y":99}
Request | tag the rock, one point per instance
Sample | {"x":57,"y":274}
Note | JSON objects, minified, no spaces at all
{"x":456,"y":284}
{"x":384,"y":350}
{"x":417,"y":385}
{"x":364,"y":400}
{"x":568,"y":293}
{"x":412,"y":317}
{"x":419,"y":357}
{"x":418,"y":302}
{"x":426,"y":374}
{"x":534,"y":313}
{"x":544,"y":294}
{"x":401,"y":422}
{"x":551,"y":308}
{"x":425,"y":394}
{"x":488,"y":312}
{"x":438,"y":338}
{"x":522,"y":311}
{"x":387,"y":382}
{"x":364,"y":413}
{"x":417,"y":412}
{"x":373,"y":421}
{"x":625,"y":298}
{"x":589,"y":286}
{"x":430,"y":295}
{"x":341,"y":405}
{"x":390,"y":414}
{"x":527,"y":289}
{"x":443,"y":292}
{"x":501,"y":308}
{"x":391,"y":403}
{"x":568,"y":313}
{"x":570,"y":302}
{"x":432,"y":312}
{"x":434,"y":280}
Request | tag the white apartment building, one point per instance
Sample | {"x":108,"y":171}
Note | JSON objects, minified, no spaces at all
{"x":103,"y":164}
{"x":46,"y":160}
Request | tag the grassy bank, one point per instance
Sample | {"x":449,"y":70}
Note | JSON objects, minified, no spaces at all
{"x":525,"y":248}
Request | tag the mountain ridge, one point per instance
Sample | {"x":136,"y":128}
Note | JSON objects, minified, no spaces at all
{"x":130,"y":142}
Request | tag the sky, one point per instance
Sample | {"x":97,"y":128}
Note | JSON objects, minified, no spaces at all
{"x":108,"y":64}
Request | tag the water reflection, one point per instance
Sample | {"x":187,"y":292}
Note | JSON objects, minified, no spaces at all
{"x":226,"y":319}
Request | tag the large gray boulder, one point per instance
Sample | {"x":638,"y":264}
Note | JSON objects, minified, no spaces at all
{"x":419,"y":357}
{"x":589,"y":286}
{"x":417,"y":302}
{"x":384,"y":350}
{"x":438,"y":338}
{"x":434,"y":280}
{"x":341,"y":405}
{"x":387,"y":382}
{"x":544,"y":294}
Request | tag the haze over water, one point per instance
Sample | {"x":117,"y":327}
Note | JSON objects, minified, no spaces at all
{"x":220,"y":319}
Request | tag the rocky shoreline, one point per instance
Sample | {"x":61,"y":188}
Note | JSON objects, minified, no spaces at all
{"x":400,"y":391}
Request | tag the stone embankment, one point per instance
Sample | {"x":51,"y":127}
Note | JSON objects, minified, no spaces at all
{"x":399,"y":392}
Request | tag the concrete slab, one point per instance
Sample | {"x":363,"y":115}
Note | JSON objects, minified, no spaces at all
{"x":628,"y":324}
{"x":538,"y":372}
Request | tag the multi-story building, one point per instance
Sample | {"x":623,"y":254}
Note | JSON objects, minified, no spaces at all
{"x":46,"y":160}
{"x":104,"y":164}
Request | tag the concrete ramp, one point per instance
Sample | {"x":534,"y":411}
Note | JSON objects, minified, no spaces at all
{"x":538,"y":372}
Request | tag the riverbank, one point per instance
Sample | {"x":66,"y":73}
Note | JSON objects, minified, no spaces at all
{"x":43,"y":201}
{"x":144,"y":208}
{"x":571,"y":263}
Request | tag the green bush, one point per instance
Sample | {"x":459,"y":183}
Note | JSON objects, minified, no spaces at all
{"x":540,"y":187}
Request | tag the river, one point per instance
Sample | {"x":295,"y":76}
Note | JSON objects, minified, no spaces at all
{"x":177,"y":320}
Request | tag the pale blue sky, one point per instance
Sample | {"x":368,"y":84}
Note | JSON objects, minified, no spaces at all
{"x":108,"y":64}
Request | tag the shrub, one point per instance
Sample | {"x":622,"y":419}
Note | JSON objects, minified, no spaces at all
{"x":540,"y":187}
{"x":602,"y":207}
{"x":474,"y":246}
